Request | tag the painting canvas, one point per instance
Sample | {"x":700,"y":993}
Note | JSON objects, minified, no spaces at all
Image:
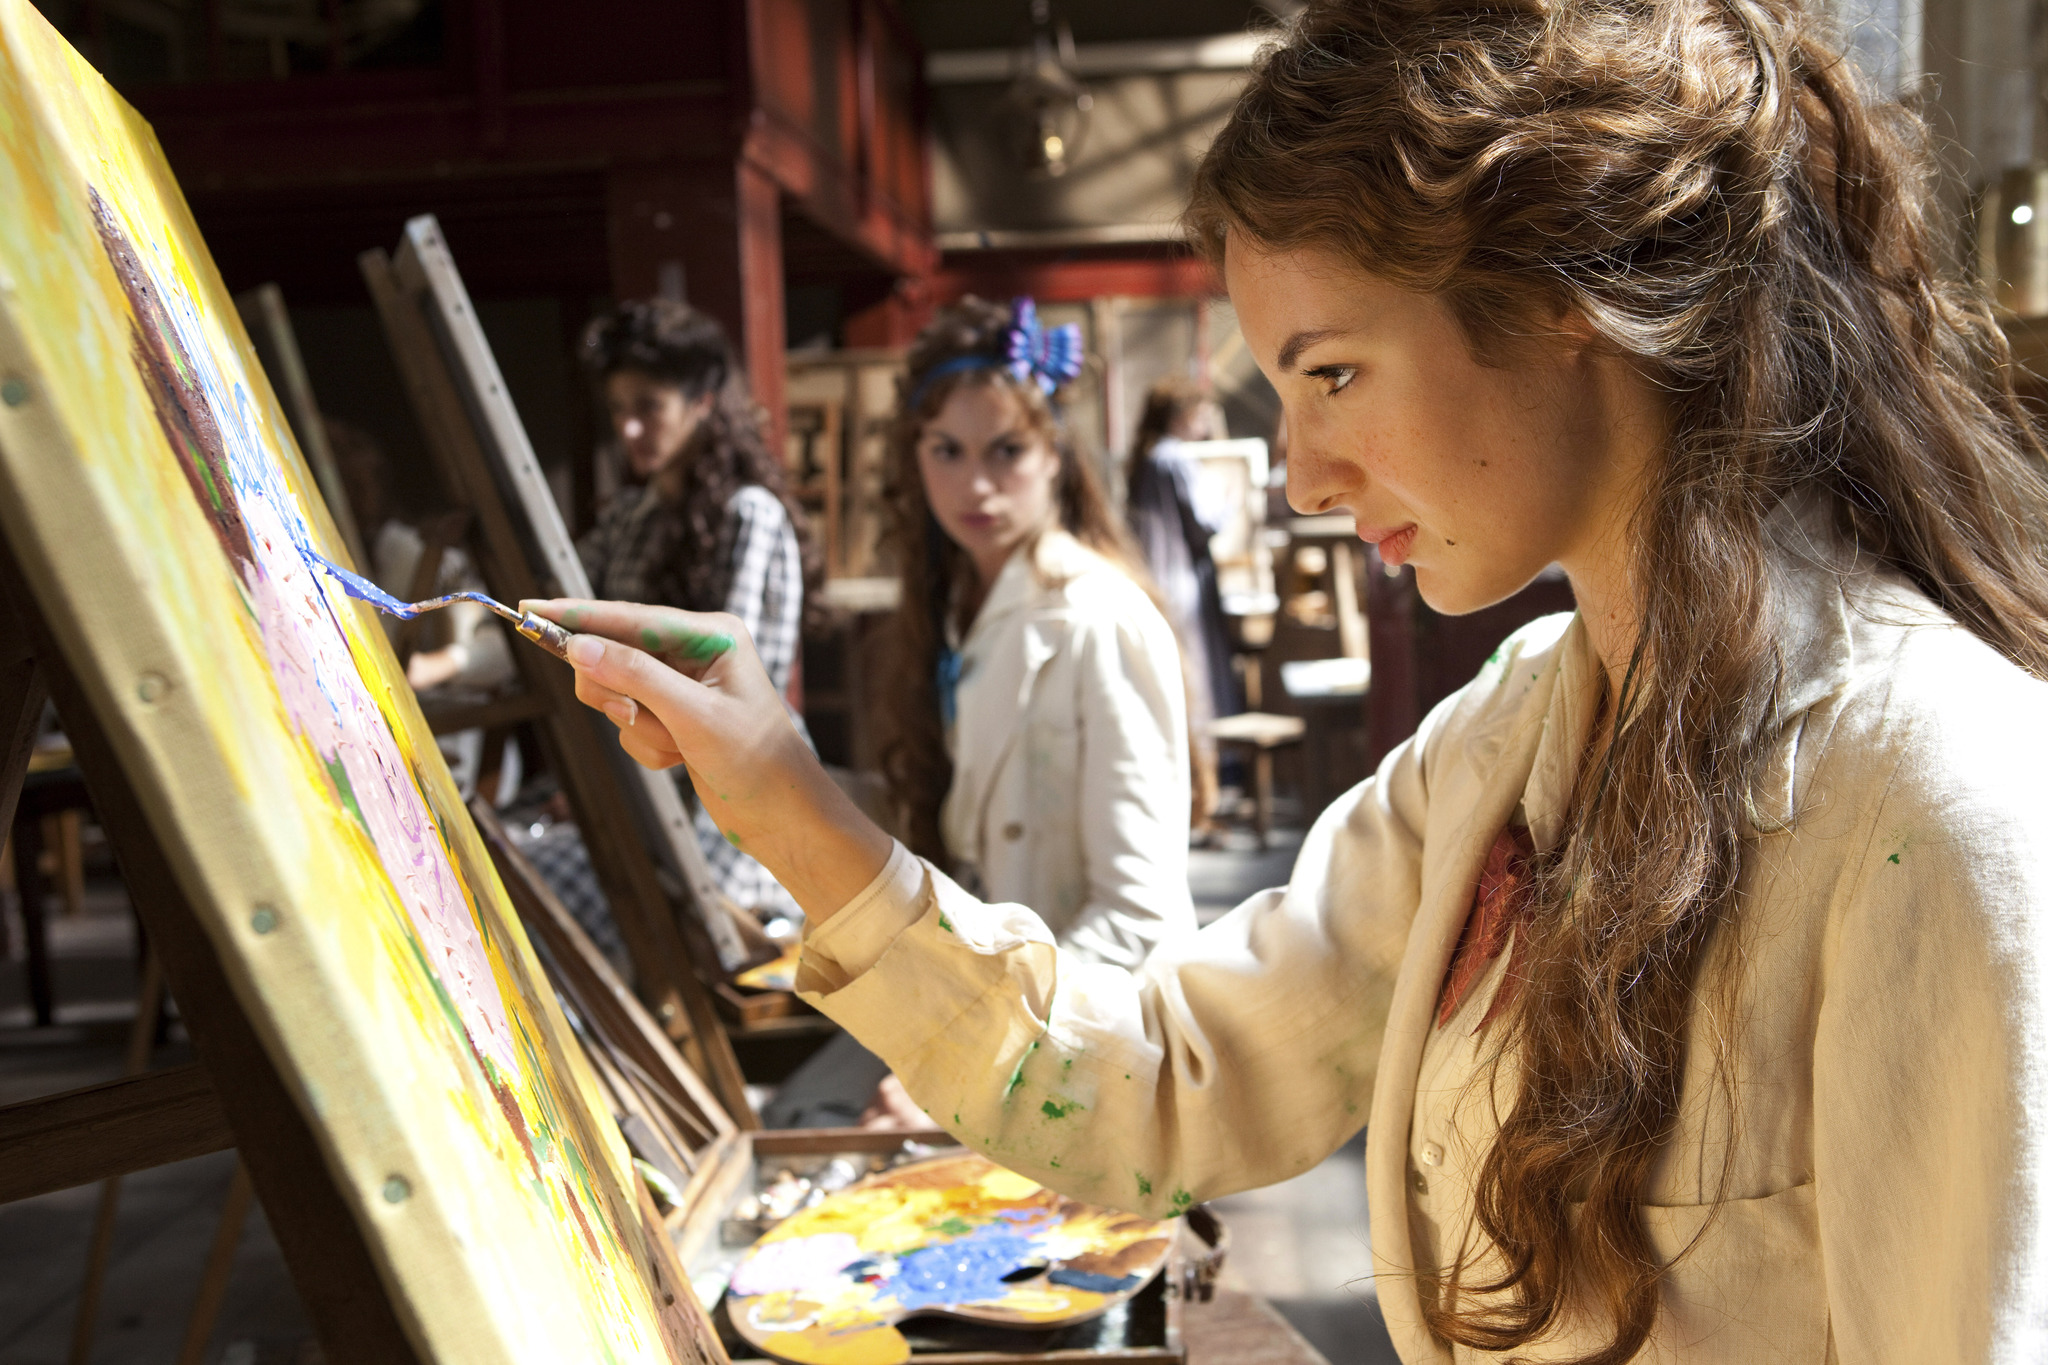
{"x":150,"y":487}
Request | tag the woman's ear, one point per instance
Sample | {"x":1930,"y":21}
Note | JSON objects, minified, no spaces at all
{"x":1576,"y":333}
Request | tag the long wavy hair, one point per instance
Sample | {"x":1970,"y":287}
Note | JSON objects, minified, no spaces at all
{"x":676,"y":344}
{"x":934,"y":570}
{"x":1710,"y":187}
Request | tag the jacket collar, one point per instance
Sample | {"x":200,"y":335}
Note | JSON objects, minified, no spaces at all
{"x":1052,"y":559}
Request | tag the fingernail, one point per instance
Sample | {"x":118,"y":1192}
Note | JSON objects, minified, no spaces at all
{"x":584,"y":651}
{"x":625,"y":710}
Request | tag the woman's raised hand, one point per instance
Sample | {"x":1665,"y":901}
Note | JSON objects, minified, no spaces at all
{"x":687,"y":687}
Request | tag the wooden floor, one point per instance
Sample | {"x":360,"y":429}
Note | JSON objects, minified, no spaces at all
{"x":1301,"y":1245}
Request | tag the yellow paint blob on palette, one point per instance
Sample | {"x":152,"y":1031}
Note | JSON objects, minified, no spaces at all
{"x":959,"y":1236}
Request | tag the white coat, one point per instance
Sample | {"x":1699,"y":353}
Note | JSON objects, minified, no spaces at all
{"x":1070,"y":754}
{"x":1862,"y":1175}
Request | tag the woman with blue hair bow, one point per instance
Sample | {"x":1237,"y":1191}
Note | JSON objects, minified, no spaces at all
{"x":1033,"y":716}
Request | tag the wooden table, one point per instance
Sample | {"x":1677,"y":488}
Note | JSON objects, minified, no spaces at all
{"x":1236,"y":1328}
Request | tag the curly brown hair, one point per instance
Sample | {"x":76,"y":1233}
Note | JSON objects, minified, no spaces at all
{"x":676,"y":344}
{"x":1708,"y":185}
{"x":912,"y":746}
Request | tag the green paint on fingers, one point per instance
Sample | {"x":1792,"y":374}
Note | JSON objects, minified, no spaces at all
{"x":680,"y":640}
{"x":732,"y":838}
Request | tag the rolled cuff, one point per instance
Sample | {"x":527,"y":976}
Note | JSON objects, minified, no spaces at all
{"x":849,"y":943}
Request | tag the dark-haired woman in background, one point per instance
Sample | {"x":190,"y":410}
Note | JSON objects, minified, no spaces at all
{"x":706,"y":521}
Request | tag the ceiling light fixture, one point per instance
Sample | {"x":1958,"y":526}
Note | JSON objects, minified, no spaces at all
{"x":1046,"y":106}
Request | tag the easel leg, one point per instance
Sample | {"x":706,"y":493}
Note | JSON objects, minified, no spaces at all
{"x":220,"y":1263}
{"x":141,"y":1039}
{"x":34,"y":890}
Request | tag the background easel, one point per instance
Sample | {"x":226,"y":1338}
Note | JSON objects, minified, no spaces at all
{"x":678,"y":927}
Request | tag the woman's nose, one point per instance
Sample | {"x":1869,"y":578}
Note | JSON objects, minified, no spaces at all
{"x":1315,"y":482}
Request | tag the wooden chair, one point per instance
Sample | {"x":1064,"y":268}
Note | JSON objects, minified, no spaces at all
{"x":1260,"y":733}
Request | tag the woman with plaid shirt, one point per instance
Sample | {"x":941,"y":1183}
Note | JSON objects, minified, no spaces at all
{"x":706,"y":521}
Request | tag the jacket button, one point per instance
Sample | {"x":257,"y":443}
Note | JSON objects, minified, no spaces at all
{"x":1432,"y":1155}
{"x":1417,"y":1183}
{"x":1013,"y":831}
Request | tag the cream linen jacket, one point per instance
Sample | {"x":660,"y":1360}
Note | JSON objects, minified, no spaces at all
{"x":1070,"y":755}
{"x":1882,"y":1178}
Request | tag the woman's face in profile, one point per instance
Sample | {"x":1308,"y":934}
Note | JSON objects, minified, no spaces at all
{"x":989,"y":472}
{"x":653,"y":419}
{"x":1481,"y":475}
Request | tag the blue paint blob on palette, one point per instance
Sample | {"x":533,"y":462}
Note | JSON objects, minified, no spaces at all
{"x":959,"y":1236}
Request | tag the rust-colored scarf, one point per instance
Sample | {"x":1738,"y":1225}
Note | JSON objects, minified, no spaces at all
{"x":1500,"y":905}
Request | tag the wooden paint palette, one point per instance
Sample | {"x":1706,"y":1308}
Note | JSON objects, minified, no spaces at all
{"x":956,"y":1235}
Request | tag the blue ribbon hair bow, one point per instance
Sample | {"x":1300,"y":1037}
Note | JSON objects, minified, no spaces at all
{"x":1052,"y":356}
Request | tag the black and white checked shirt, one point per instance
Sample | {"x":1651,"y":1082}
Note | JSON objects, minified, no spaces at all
{"x":632,"y":555}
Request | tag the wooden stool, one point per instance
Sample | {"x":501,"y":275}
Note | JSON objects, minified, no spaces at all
{"x":1262,"y":733}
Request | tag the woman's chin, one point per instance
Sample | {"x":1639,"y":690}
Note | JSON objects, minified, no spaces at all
{"x":1456,"y":594}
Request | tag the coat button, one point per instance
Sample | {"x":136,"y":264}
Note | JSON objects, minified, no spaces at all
{"x":1013,"y":831}
{"x":1417,"y":1183}
{"x":1432,"y":1155}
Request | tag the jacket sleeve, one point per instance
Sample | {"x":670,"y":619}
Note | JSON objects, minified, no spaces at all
{"x":1930,"y":1070}
{"x":1132,"y":789}
{"x":1237,"y":1056}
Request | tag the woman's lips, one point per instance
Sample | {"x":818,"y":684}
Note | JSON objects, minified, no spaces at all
{"x":1394,"y":544}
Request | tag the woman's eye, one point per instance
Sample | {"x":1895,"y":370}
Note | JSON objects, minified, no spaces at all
{"x":1334,"y":378}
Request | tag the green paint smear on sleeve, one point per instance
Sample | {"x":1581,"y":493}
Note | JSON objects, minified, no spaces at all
{"x":1059,"y":1109}
{"x":1144,"y":1187}
{"x":1017,"y":1076}
{"x":1182,"y":1201}
{"x":945,"y":923}
{"x":1893,"y":859}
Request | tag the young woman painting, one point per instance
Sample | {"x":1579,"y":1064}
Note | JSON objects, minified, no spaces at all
{"x":1034,"y":730}
{"x":705,"y":520}
{"x":1691,"y":962}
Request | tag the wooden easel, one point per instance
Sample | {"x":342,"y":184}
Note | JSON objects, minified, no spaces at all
{"x":234,"y":1096}
{"x":669,"y":911}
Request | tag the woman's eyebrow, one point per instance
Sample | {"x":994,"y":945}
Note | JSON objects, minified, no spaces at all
{"x":1302,"y":340}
